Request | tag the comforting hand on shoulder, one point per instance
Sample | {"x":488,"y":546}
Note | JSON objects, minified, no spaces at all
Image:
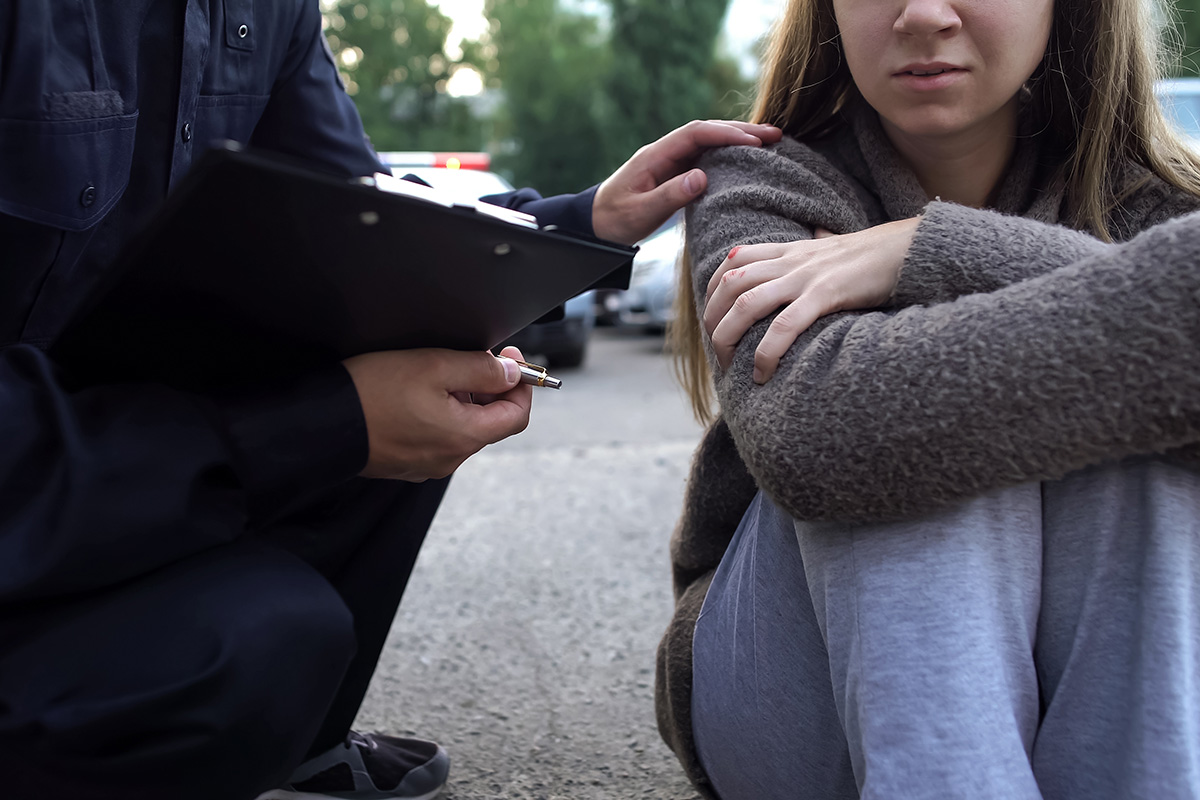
{"x":807,"y":279}
{"x":661,"y":178}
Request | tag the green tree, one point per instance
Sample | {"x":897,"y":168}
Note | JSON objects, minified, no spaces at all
{"x":392,"y":56}
{"x":1187,"y":33}
{"x":663,"y":53}
{"x":732,"y":91}
{"x":551,"y":64}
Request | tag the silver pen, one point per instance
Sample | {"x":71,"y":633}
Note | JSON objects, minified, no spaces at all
{"x":535,"y":375}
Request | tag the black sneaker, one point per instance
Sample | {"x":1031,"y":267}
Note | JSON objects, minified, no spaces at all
{"x":369,"y":766}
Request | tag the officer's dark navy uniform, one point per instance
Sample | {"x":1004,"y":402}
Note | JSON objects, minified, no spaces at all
{"x":193,"y":591}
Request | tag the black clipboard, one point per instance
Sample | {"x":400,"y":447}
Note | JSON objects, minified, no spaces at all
{"x":258,"y":268}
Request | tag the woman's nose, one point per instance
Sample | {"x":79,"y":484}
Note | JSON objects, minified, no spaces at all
{"x":927,"y":17}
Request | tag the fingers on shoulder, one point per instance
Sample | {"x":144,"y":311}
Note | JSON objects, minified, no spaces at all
{"x":820,"y":298}
{"x":732,"y":131}
{"x":742,"y":256}
{"x":688,"y":140}
{"x":781,"y":334}
{"x":732,"y":318}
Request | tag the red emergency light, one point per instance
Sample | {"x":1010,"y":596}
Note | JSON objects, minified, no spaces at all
{"x":424,"y":158}
{"x":462,"y":160}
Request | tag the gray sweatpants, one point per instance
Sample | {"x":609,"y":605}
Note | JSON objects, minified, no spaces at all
{"x":1039,"y":641}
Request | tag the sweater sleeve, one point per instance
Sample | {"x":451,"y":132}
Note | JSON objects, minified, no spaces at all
{"x":959,"y":250}
{"x":768,"y":194}
{"x":882,"y":415}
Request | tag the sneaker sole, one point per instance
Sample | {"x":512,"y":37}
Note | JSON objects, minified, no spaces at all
{"x":284,"y":794}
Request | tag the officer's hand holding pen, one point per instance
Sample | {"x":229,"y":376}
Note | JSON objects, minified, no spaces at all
{"x":537,"y":376}
{"x":530,"y":375}
{"x":421,"y":422}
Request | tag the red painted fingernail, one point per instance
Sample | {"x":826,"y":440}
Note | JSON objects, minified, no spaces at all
{"x":733,"y":252}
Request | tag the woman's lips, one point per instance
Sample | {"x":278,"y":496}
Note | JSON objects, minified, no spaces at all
{"x":929,"y":78}
{"x":927,"y":66}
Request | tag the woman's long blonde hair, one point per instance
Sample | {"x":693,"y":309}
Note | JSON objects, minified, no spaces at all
{"x":1092,"y":96}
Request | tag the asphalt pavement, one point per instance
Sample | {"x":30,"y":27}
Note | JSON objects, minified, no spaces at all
{"x":525,"y":642}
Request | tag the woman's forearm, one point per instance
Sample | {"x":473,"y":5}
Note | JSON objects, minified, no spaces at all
{"x":959,"y":250}
{"x":884,"y":415}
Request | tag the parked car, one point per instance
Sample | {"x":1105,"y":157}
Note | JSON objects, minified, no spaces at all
{"x":649,"y":300}
{"x":467,"y":176}
{"x":608,"y":306}
{"x":1180,"y":100}
{"x":561,"y":341}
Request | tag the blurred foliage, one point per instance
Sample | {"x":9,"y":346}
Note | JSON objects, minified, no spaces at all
{"x":662,"y":59}
{"x":1187,"y":31}
{"x":570,"y":94}
{"x":392,"y":56}
{"x":549,"y":60}
{"x":732,"y":92}
{"x":582,"y":96}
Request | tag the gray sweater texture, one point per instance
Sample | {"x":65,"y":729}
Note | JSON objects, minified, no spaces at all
{"x":1013,"y":349}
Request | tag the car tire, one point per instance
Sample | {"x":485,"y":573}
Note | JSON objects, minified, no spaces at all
{"x":572,"y":357}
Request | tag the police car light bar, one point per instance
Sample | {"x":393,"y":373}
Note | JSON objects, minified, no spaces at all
{"x":398,"y":158}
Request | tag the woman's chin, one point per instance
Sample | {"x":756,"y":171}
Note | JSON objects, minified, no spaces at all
{"x":934,"y":124}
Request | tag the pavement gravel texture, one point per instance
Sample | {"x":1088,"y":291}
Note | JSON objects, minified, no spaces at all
{"x":525,"y":643}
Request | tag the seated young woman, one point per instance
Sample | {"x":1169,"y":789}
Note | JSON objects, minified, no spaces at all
{"x":942,"y":539}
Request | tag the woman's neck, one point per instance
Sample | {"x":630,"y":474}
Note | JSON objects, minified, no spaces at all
{"x":964,"y":167}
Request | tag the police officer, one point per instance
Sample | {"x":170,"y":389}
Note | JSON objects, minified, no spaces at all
{"x":194,"y":590}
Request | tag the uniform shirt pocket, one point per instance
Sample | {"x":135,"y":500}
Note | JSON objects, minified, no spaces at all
{"x":239,"y":24}
{"x":64,"y":173}
{"x":228,"y":116}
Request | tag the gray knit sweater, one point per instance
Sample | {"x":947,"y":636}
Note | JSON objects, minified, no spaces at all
{"x":1014,"y":349}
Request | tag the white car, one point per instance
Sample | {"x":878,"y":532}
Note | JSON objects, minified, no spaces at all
{"x":467,"y":176}
{"x":649,"y":300}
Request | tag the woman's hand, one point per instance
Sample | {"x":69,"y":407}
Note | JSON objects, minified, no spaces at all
{"x":809,"y":279}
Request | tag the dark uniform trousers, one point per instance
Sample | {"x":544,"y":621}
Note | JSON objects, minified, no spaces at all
{"x":214,"y":675}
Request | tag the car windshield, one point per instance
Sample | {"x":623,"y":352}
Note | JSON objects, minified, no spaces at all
{"x":1180,"y":100}
{"x":669,"y":226}
{"x":663,"y":243}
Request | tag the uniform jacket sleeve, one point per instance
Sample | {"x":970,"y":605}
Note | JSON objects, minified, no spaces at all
{"x":887,"y":414}
{"x":309,"y":114}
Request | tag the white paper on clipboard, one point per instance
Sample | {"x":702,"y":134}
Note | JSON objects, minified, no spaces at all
{"x":419,"y":191}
